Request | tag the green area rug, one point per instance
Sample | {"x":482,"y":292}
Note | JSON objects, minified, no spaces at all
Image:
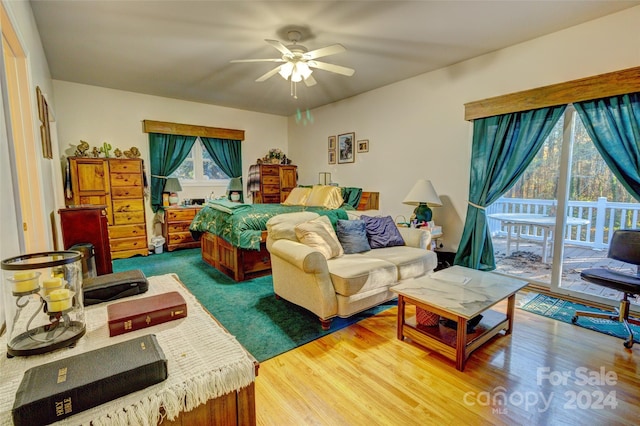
{"x":264,"y":325}
{"x":563,"y":310}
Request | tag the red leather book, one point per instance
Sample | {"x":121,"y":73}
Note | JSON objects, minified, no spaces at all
{"x":136,"y":314}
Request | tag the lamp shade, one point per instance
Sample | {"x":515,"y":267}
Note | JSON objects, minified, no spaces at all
{"x":422,"y":192}
{"x":235,"y":184}
{"x":172,"y":185}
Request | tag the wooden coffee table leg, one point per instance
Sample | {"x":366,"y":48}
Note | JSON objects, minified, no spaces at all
{"x":511,"y":303}
{"x":400,"y":324}
{"x":461,"y":343}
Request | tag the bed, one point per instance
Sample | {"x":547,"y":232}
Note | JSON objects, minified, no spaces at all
{"x":233,"y":235}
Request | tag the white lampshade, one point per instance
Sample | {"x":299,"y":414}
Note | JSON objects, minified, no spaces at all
{"x":422,"y":192}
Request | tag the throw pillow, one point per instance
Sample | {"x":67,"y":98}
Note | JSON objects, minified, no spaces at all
{"x":352,"y":234}
{"x":382,"y":232}
{"x":326,"y":196}
{"x":297,"y":197}
{"x":319,"y":234}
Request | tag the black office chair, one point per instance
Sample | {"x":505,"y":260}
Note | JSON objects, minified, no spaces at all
{"x":625,"y":247}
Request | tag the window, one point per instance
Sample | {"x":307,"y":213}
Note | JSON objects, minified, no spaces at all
{"x":199,"y":168}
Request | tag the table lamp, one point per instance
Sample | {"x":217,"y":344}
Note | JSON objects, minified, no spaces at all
{"x":423,"y":195}
{"x":234,"y":189}
{"x":172,"y":186}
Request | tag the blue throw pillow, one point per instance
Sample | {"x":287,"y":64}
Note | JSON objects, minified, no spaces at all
{"x":352,"y":235}
{"x":382,"y":232}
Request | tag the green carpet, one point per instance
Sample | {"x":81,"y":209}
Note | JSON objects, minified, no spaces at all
{"x":264,"y":325}
{"x":563,"y":310}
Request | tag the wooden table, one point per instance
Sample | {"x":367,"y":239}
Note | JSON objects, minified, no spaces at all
{"x":547,"y":223}
{"x":458,"y":294}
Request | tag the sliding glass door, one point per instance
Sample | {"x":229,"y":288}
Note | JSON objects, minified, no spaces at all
{"x":559,"y":217}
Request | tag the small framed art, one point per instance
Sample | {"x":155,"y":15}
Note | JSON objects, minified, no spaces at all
{"x":332,"y":142}
{"x":363,"y":145}
{"x":346,"y":152}
{"x":332,"y":156}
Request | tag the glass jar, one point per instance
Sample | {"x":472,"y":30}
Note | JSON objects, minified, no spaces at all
{"x":43,"y":301}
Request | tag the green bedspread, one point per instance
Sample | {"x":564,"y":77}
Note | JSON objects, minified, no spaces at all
{"x":242,"y":224}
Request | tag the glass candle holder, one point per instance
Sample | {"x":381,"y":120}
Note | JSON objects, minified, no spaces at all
{"x":43,"y":301}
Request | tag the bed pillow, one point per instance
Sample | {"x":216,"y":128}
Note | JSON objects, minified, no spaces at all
{"x":319,"y":234}
{"x":382,"y":232}
{"x":297,"y":197}
{"x":352,"y":234}
{"x":326,"y":196}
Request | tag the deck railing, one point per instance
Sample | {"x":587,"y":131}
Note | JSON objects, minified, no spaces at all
{"x":604,"y":218}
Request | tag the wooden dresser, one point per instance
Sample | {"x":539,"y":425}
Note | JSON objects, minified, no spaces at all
{"x":276,"y":182}
{"x":176,"y":227}
{"x":119,"y":185}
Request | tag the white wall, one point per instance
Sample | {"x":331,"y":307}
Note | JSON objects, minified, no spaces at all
{"x":416,"y":128}
{"x":97,"y":115}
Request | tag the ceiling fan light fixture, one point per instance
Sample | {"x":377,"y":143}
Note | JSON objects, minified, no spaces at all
{"x":285,"y":70}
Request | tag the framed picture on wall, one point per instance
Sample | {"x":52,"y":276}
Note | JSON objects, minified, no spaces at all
{"x":45,"y":131}
{"x":346,"y":150}
{"x":332,"y":156}
{"x":363,"y":145}
{"x":332,"y":142}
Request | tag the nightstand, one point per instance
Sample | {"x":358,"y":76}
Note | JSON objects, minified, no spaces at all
{"x":176,"y":227}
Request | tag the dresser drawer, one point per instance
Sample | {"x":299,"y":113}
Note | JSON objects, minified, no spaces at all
{"x":126,"y":231}
{"x":126,"y":205}
{"x":128,"y":218}
{"x":271,"y":190}
{"x":125,"y":166}
{"x":129,"y":244}
{"x":180,"y":238}
{"x":270,"y":171}
{"x":271,"y":180}
{"x":178,"y":227}
{"x":126,"y":179}
{"x":126,"y":192}
{"x":186,"y":214}
{"x":271,"y":199}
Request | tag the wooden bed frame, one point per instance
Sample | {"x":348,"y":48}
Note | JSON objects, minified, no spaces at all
{"x":238,"y":263}
{"x":243,"y":264}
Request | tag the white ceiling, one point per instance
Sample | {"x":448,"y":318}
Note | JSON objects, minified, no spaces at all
{"x":181,"y":49}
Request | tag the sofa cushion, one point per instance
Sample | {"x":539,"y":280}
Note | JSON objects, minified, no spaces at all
{"x":410,"y":262}
{"x":382,"y":232}
{"x":353,"y":236}
{"x":354,"y":273}
{"x":297,"y":197}
{"x":326,"y":196}
{"x":319,"y":234}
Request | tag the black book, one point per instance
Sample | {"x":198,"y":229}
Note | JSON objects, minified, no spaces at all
{"x":56,"y":390}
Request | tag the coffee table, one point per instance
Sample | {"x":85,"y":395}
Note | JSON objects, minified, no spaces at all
{"x":458,"y":294}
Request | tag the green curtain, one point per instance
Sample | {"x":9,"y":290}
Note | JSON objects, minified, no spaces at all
{"x":503,"y":147}
{"x":227,"y":154}
{"x":166,"y":153}
{"x":614,"y":126}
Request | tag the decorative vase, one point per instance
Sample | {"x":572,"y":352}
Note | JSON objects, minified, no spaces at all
{"x":235,"y":196}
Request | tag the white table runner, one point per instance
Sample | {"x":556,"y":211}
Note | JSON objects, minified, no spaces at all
{"x":204,"y":362}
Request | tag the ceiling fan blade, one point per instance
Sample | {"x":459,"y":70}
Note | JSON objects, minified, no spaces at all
{"x":269,"y":74}
{"x":331,"y":68}
{"x":310,"y":81}
{"x":325,"y":51}
{"x":281,"y":47}
{"x":236,"y":61}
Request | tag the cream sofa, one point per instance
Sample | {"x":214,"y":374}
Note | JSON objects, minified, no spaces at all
{"x":347,"y":284}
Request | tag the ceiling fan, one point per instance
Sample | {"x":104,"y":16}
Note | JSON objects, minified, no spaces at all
{"x":298,"y":62}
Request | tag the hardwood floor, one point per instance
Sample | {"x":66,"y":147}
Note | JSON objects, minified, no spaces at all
{"x":363,"y":375}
